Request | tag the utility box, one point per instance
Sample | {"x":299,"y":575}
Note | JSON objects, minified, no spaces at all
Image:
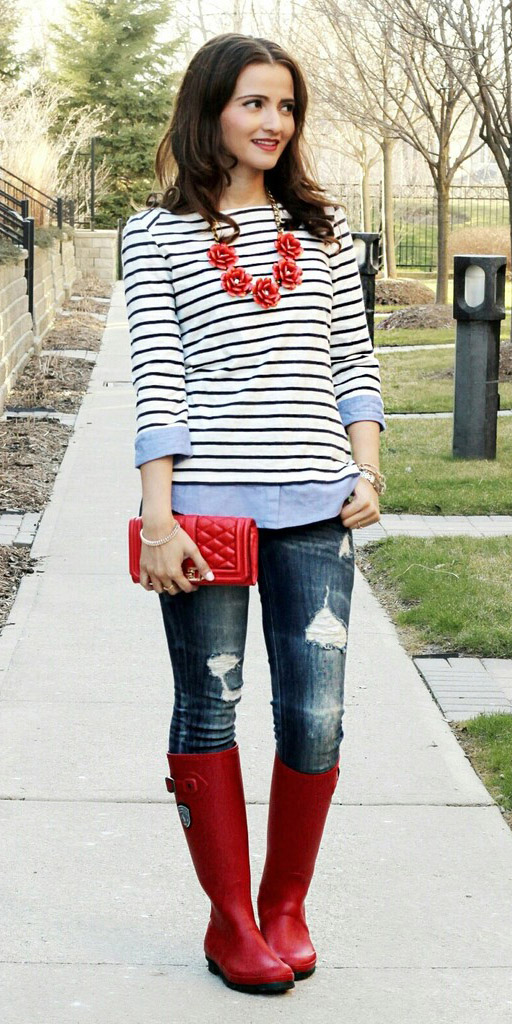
{"x":366,"y":247}
{"x":478,"y":308}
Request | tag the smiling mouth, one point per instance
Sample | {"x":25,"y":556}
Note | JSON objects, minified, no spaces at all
{"x":264,"y":144}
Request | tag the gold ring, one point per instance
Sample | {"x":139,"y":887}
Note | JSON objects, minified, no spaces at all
{"x":170,"y":589}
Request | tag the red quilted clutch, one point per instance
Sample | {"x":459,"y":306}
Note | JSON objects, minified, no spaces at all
{"x":228,"y":543}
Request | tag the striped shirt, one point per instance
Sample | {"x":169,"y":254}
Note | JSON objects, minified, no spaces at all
{"x":237,"y":393}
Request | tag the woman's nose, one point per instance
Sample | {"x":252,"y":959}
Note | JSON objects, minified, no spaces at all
{"x":272,"y":120}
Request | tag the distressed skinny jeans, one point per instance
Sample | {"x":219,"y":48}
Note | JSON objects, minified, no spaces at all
{"x":305,"y":581}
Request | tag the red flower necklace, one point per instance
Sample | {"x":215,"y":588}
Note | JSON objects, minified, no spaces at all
{"x":265,"y":291}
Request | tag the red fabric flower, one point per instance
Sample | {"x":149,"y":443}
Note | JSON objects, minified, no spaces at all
{"x":266,"y":292}
{"x":288,"y":246}
{"x":221,"y":255}
{"x":236,"y":281}
{"x":287,"y":273}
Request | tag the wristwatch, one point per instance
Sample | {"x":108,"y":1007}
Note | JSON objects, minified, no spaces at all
{"x":377,"y":480}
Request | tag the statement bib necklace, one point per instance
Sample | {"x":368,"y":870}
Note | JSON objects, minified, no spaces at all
{"x":265,"y":290}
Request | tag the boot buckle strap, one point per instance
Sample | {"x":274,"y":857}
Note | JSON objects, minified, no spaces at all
{"x":187,"y":785}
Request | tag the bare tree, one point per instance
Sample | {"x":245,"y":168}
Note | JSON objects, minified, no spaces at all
{"x":365,"y":152}
{"x":360,"y":77}
{"x":474,"y":35}
{"x":427,"y":101}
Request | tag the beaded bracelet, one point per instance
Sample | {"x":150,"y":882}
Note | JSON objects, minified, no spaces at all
{"x":163,"y":540}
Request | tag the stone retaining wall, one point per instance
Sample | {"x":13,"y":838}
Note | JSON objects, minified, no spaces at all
{"x":96,"y":252}
{"x":20,"y":335}
{"x":16,"y":328}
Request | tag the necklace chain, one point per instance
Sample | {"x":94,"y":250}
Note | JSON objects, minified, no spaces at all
{"x":275,"y":210}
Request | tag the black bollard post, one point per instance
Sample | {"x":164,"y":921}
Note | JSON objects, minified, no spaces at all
{"x":366,"y":246}
{"x":478,"y":308}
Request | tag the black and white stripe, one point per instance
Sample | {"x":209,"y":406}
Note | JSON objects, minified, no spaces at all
{"x":255,"y":390}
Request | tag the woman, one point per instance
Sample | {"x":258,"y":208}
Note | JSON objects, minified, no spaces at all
{"x":249,"y":362}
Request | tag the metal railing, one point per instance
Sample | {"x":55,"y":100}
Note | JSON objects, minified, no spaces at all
{"x":45,"y":209}
{"x":415,"y":215}
{"x":18,"y":227}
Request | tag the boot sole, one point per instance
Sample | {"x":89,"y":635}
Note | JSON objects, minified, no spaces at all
{"x":264,"y":988}
{"x":300,"y":975}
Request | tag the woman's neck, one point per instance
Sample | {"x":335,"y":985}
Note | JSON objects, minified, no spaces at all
{"x":243,"y":193}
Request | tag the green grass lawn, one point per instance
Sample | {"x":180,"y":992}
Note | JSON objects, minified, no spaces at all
{"x":487,"y":741}
{"x":425,"y":335}
{"x":407,"y":336}
{"x":409,"y":383}
{"x":446,"y":593}
{"x":452,"y":593}
{"x":423,"y":477}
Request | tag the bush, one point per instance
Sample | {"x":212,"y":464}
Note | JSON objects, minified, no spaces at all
{"x":493,"y":241}
{"x":44,"y":236}
{"x":402,"y":292}
{"x":9,"y":252}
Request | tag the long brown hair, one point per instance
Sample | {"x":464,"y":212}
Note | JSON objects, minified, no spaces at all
{"x":192,"y":164}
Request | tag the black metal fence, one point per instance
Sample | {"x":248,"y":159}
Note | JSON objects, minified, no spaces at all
{"x":45,"y":209}
{"x":22,"y":206}
{"x":415,"y":216}
{"x":18,"y":227}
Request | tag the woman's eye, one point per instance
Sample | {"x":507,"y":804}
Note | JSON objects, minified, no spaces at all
{"x":288,"y":106}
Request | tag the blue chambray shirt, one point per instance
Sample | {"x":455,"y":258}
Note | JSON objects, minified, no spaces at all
{"x":273,"y":506}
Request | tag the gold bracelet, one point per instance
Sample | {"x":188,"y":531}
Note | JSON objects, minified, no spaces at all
{"x":373,"y":475}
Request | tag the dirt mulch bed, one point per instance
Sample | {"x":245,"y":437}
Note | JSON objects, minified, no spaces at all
{"x":92,"y":285}
{"x":14,"y":563}
{"x":32,"y":451}
{"x":78,"y":330}
{"x":418,"y":317}
{"x":85,"y":304}
{"x":505,"y":371}
{"x":402,"y":292}
{"x":51,"y":382}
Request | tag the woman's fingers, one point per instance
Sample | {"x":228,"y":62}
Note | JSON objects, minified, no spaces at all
{"x":363,"y":510}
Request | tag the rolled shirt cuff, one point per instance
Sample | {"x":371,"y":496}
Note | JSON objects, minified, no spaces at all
{"x":159,"y":441}
{"x":362,"y":407}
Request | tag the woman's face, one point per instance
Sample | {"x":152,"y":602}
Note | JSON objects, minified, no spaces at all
{"x":260,"y":111}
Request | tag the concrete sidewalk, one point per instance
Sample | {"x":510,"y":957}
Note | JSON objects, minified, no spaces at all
{"x":103,"y":919}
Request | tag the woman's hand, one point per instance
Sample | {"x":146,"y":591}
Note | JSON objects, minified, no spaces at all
{"x":363,"y":510}
{"x":161,"y":565}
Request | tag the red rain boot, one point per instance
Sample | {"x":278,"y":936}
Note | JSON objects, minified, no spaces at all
{"x":299,"y":803}
{"x":211,"y":806}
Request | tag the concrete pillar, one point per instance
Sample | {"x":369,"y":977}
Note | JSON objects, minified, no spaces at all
{"x":366,"y":246}
{"x":478,"y":308}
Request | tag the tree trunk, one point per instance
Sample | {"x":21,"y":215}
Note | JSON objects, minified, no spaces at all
{"x":508,"y":272}
{"x":443,"y":211}
{"x":366,"y":201}
{"x":388,"y":206}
